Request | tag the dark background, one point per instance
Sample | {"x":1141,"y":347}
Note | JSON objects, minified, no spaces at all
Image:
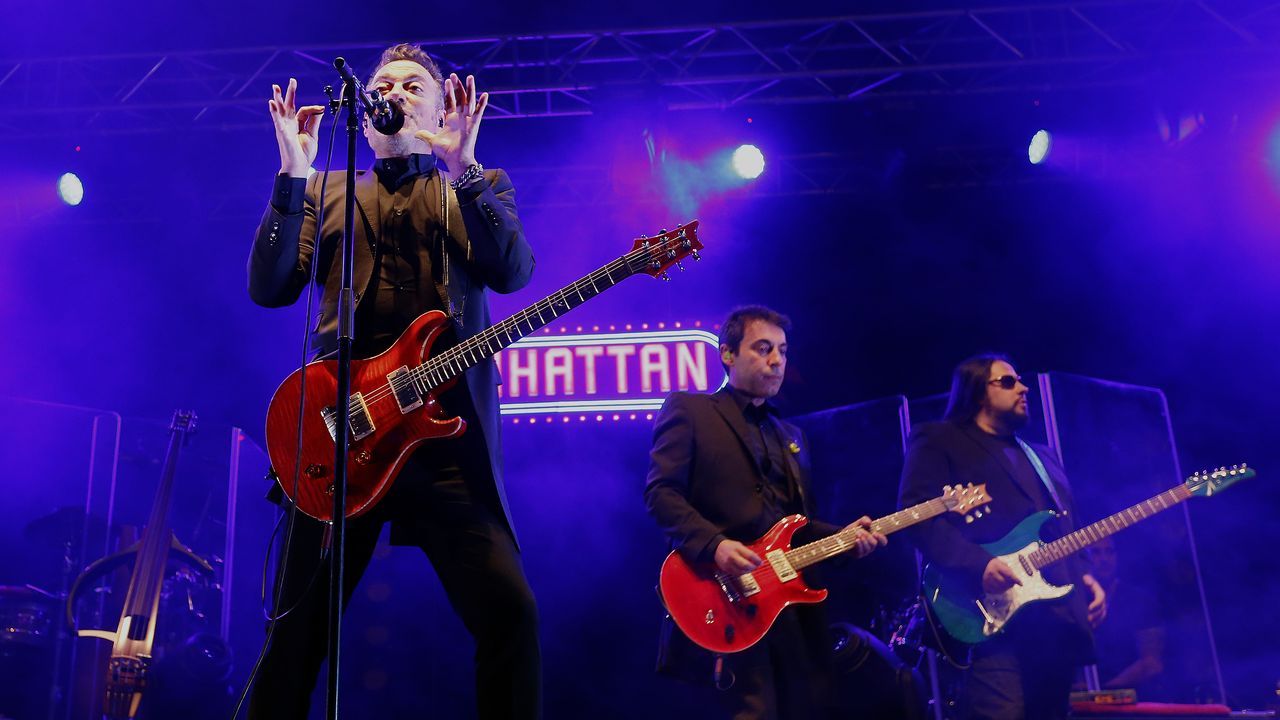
{"x":1128,"y":257}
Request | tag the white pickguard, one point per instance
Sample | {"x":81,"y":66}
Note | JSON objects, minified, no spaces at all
{"x":996,"y":610}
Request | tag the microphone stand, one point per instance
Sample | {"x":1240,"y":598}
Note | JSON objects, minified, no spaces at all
{"x":387,"y":120}
{"x":342,"y":430}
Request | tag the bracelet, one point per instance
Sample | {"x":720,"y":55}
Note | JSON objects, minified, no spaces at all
{"x":474,"y":172}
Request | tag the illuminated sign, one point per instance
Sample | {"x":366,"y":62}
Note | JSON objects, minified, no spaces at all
{"x":602,"y":375}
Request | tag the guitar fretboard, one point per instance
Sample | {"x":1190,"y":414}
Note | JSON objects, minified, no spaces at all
{"x":833,"y":545}
{"x":153,"y":553}
{"x":453,"y":362}
{"x":1080,"y":539}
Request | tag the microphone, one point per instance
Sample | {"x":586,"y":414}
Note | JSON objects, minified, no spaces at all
{"x":387,"y":118}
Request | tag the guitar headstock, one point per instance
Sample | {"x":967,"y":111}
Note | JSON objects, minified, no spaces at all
{"x":1209,"y":482}
{"x":668,"y":248}
{"x":966,"y":499}
{"x":183,"y":422}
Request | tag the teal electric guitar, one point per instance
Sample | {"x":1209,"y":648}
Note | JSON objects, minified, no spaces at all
{"x":973,"y":620}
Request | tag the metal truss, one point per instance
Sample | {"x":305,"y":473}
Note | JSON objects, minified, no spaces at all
{"x":999,"y":48}
{"x":538,"y":187}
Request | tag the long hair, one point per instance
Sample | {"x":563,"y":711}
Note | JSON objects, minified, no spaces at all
{"x":969,"y":386}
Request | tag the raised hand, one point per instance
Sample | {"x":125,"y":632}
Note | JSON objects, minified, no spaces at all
{"x":455,"y":142}
{"x":297,"y":130}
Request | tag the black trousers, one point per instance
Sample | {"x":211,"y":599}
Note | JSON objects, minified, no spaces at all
{"x":1024,"y":674}
{"x":476,"y":559}
{"x":785,"y":676}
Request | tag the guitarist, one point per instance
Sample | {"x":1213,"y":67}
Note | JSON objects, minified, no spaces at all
{"x":1026,"y":671}
{"x":434,"y":231}
{"x":723,"y":469}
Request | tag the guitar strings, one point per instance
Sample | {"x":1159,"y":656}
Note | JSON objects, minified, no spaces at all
{"x":423,"y":373}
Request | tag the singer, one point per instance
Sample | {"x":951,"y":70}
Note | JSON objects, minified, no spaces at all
{"x":434,"y":231}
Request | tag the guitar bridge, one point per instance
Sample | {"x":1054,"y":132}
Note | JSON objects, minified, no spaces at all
{"x":126,"y":680}
{"x":361,"y":422}
{"x":405,"y":390}
{"x":995,"y":612}
{"x":737,"y":587}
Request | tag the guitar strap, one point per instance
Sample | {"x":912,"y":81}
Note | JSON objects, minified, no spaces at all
{"x":1044,"y":476}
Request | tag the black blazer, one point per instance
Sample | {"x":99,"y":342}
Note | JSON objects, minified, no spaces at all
{"x":947,"y":453}
{"x":487,"y":250}
{"x":705,"y":485}
{"x":704,"y":482}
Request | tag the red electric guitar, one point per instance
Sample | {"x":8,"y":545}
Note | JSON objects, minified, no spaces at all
{"x":729,"y":613}
{"x":394,"y":404}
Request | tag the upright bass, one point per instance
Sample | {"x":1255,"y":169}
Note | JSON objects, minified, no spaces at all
{"x":133,"y":639}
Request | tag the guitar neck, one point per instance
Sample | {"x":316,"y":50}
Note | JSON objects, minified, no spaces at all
{"x":153,"y":552}
{"x":453,"y":362}
{"x":1080,"y":539}
{"x":843,"y":541}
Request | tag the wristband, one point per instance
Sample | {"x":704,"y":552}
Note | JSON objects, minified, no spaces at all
{"x":474,"y":172}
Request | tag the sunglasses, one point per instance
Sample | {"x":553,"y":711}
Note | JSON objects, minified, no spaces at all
{"x":1006,"y":382}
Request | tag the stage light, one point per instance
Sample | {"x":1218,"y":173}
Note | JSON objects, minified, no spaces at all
{"x":748,"y":162}
{"x":70,"y":189}
{"x":1039,"y":148}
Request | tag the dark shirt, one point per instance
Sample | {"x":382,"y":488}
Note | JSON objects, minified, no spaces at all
{"x":404,"y":285}
{"x":407,"y":282}
{"x":396,"y":171}
{"x":768,"y":449}
{"x":1013,"y":457}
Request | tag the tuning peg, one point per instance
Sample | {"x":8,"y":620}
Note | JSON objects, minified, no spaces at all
{"x":680,"y":265}
{"x":665,"y":276}
{"x":968,"y":519}
{"x":697,"y":255}
{"x":671,"y":254}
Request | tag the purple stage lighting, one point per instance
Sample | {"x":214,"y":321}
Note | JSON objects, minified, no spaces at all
{"x":70,"y":189}
{"x":1039,"y":148}
{"x":748,"y":162}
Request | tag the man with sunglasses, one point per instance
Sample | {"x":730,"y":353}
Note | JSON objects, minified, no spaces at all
{"x":1027,"y":670}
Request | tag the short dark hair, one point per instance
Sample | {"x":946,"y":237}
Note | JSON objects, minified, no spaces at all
{"x":969,"y":386}
{"x":735,"y":326}
{"x":412,"y":53}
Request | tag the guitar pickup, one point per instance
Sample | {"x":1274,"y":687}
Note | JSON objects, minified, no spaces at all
{"x":405,"y":390}
{"x":361,"y":422}
{"x":778,"y":560}
{"x":748,"y":584}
